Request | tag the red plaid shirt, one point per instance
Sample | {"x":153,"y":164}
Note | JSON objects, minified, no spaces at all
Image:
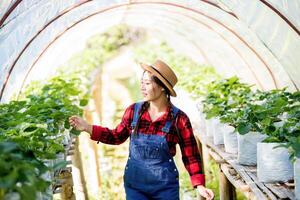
{"x":190,"y":153}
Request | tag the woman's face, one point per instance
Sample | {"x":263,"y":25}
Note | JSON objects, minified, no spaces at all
{"x":150,"y":90}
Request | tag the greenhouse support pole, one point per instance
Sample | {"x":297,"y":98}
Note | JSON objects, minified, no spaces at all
{"x":227,"y":190}
{"x":199,"y":145}
{"x":81,"y":190}
{"x":98,"y":101}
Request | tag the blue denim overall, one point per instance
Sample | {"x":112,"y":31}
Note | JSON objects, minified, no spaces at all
{"x":150,"y":172}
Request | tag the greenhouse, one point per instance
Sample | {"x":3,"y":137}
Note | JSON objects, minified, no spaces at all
{"x":72,"y":72}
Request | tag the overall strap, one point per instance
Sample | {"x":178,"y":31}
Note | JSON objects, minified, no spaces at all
{"x":137,"y":108}
{"x":168,"y":124}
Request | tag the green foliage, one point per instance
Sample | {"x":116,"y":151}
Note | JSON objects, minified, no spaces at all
{"x":270,"y":113}
{"x":224,"y":97}
{"x":293,"y":146}
{"x":212,"y":171}
{"x":32,"y":130}
{"x":37,"y":122}
{"x":275,"y":113}
{"x":185,"y":185}
{"x":20,"y":172}
{"x":33,"y":127}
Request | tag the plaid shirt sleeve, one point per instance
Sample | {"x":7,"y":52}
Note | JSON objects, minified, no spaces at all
{"x":190,"y":153}
{"x":114,"y":136}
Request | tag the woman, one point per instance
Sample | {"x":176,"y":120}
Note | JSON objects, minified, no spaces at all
{"x":154,"y":126}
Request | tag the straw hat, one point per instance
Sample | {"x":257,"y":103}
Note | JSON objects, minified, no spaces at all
{"x":164,"y":73}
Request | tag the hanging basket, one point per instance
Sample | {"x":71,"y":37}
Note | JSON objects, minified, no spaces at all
{"x":230,"y":139}
{"x":218,"y":132}
{"x":247,"y":150}
{"x":273,"y":164}
{"x":297,"y":178}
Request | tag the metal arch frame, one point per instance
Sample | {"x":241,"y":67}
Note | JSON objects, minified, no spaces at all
{"x":104,"y":10}
{"x":59,"y":35}
{"x":282,"y":16}
{"x":115,"y":6}
{"x":9,"y":11}
{"x":217,"y":6}
{"x":32,"y":39}
{"x":226,"y":41}
{"x":234,"y":49}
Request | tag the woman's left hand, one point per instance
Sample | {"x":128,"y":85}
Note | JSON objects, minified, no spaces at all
{"x":205,"y":192}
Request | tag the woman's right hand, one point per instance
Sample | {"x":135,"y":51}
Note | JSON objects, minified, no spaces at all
{"x":80,"y":124}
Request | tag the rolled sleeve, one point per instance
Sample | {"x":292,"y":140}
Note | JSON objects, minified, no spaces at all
{"x":190,"y":152}
{"x":114,"y":136}
{"x":96,"y":132}
{"x":197,"y":179}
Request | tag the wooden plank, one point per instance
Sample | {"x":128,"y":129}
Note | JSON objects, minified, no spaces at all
{"x":247,"y":173}
{"x":261,"y":186}
{"x":234,"y":179}
{"x":231,"y":159}
{"x":282,"y":192}
{"x":216,"y":156}
{"x":258,"y":193}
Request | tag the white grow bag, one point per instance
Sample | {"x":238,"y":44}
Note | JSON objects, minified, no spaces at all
{"x":230,"y":139}
{"x":247,"y":151}
{"x":209,"y":127}
{"x":218,"y":132}
{"x":273,"y":164}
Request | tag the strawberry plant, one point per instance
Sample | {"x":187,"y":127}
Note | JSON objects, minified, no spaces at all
{"x":263,"y":114}
{"x":224,"y":97}
{"x":37,"y":121}
{"x":33,"y":127}
{"x":290,"y":127}
{"x":20,"y":173}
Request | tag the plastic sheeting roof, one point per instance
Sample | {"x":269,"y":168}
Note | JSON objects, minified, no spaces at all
{"x":257,"y":40}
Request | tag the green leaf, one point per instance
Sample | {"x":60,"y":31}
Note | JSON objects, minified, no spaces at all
{"x":272,"y":140}
{"x":75,"y":132}
{"x":27,"y":192}
{"x":67,"y":124}
{"x":83,"y":102}
{"x":243,"y":128}
{"x":60,"y":165}
{"x":9,"y":180}
{"x":270,"y":129}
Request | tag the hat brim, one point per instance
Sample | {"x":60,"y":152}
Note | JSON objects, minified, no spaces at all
{"x":162,"y":79}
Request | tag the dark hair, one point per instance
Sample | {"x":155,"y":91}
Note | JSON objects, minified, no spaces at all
{"x":160,"y":83}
